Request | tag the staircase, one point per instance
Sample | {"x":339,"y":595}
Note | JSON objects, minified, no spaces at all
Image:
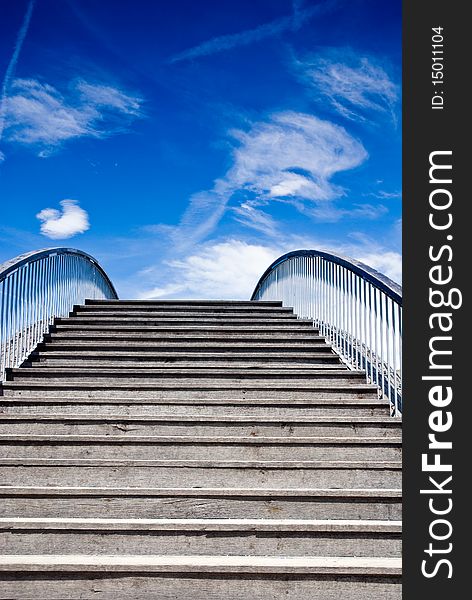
{"x":195,"y":450}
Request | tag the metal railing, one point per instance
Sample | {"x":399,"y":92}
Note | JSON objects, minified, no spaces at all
{"x":37,"y":287}
{"x":356,"y":308}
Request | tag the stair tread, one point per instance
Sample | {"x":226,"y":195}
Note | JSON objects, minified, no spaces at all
{"x":286,"y":343}
{"x":70,"y":324}
{"x":242,"y":331}
{"x":202,"y":418}
{"x":281,"y":525}
{"x":178,"y":356}
{"x":202,"y":491}
{"x":376,"y":402}
{"x":207,"y":464}
{"x":216,"y":313}
{"x":198,"y":439}
{"x":248,"y":339}
{"x":265,"y":319}
{"x":213,"y":564}
{"x":99,"y":364}
{"x":123,"y":302}
{"x":177,"y":384}
{"x":197,"y":371}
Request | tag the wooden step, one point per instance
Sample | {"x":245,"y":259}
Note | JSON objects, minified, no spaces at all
{"x":200,"y":502}
{"x":202,"y":577}
{"x":172,"y":373}
{"x":172,"y":447}
{"x":28,"y":402}
{"x":209,"y":473}
{"x":213,"y":537}
{"x":210,"y":424}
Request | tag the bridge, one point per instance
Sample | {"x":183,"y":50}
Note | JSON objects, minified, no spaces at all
{"x":200,"y":449}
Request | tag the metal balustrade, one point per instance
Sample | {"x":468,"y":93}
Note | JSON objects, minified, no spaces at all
{"x":37,"y":287}
{"x":356,"y":308}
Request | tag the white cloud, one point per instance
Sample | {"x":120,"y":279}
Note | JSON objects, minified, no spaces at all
{"x":171,"y":290}
{"x":382,"y":252}
{"x":331,"y":214}
{"x":367,"y":212}
{"x":230,"y":268}
{"x":291,"y":157}
{"x":12,"y":66}
{"x":387,"y":262}
{"x":253,"y":217}
{"x":109,"y":97}
{"x":223,"y":270}
{"x":294,"y":154}
{"x":227,"y":42}
{"x":289,"y":186}
{"x":200,"y":218}
{"x":386,"y":195}
{"x":221,"y":43}
{"x":373,"y":252}
{"x":38,"y":115}
{"x":355,"y":86}
{"x":63,"y":224}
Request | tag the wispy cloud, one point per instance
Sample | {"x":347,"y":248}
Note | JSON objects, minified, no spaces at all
{"x":38,"y":115}
{"x":382,"y":194}
{"x":65,"y":223}
{"x":249,"y":215}
{"x":108,"y":98}
{"x":12,"y":65}
{"x":356,"y":86}
{"x":294,"y":155}
{"x":330,"y":213}
{"x":292,"y":22}
{"x":290,"y":158}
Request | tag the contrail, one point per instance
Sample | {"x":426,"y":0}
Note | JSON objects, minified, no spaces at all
{"x":20,"y":38}
{"x":294,"y":21}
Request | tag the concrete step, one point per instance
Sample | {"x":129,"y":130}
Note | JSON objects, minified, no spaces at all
{"x":30,"y":403}
{"x":177,"y":302}
{"x":265,"y":321}
{"x":305,"y":359}
{"x":174,"y":447}
{"x":147,"y":326}
{"x":190,"y":389}
{"x":292,"y":327}
{"x":172,"y":342}
{"x":212,"y":537}
{"x":246,"y":336}
{"x":200,"y":473}
{"x":275,"y":375}
{"x":323,"y":361}
{"x":200,"y":577}
{"x":208,"y":306}
{"x":210,"y":424}
{"x":174,"y":347}
{"x":201,"y":502}
{"x":189,"y":311}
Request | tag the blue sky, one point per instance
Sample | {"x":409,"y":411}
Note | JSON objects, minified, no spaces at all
{"x":188,"y":144}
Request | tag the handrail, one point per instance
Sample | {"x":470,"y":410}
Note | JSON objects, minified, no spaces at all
{"x":38,"y":286}
{"x":356,"y":308}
